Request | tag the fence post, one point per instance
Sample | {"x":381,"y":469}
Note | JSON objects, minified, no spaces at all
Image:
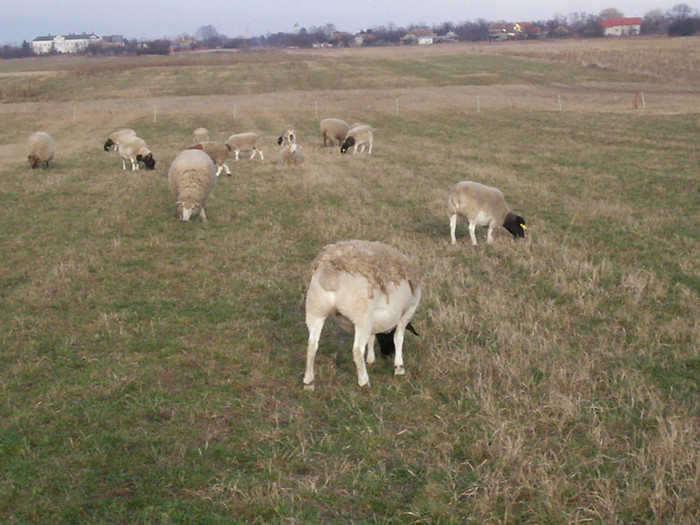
{"x":397,"y":106}
{"x":316,"y":108}
{"x":155,"y":113}
{"x":644,"y":104}
{"x":234,"y":110}
{"x":559,"y":98}
{"x":478,"y":104}
{"x":75,"y":114}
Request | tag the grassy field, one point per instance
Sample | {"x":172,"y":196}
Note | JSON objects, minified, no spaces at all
{"x":150,"y":370}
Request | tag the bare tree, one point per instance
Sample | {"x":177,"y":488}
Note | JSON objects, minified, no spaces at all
{"x":610,"y":12}
{"x":680,"y":12}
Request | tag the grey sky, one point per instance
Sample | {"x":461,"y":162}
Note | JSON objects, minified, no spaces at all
{"x":148,"y":19}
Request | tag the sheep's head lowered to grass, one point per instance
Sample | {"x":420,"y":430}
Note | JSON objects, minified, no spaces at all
{"x":147,"y":160}
{"x":515,"y":224}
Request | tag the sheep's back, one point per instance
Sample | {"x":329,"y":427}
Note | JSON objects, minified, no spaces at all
{"x":42,"y":145}
{"x":192,"y":175}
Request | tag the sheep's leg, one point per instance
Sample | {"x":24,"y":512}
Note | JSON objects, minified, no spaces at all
{"x":315,"y":325}
{"x":202,"y":215}
{"x":236,"y":155}
{"x":453,"y":228}
{"x":362,"y":335}
{"x":362,"y":147}
{"x":123,"y":165}
{"x":472,"y":230}
{"x":228,"y":171}
{"x":219,"y":170}
{"x":261,"y":155}
{"x":370,"y":148}
{"x":370,"y":350}
{"x":134,"y":165}
{"x":253,"y":155}
{"x":398,"y":357}
{"x":489,"y":236}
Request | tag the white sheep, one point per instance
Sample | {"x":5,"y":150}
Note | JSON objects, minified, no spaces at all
{"x":482,"y":206}
{"x":200,"y":135}
{"x":358,"y":136}
{"x":115,"y":138}
{"x":291,"y":155}
{"x":288,"y":136}
{"x":192,"y":179}
{"x":40,"y":149}
{"x":217,"y":151}
{"x":134,"y":149}
{"x":333,"y":129}
{"x":367,"y":284}
{"x":245,"y":142}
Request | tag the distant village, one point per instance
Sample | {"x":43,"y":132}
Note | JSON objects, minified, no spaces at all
{"x":679,"y":21}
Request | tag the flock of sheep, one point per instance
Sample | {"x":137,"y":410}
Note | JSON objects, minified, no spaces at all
{"x":370,"y":288}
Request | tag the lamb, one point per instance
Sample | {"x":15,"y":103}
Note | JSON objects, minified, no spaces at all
{"x":482,"y":206}
{"x":245,"y":142}
{"x":115,"y":138}
{"x":358,"y":136}
{"x":200,"y":135}
{"x":288,"y":136}
{"x":333,"y":129}
{"x":41,"y":149}
{"x":192,"y":179}
{"x":218,"y":151}
{"x":367,"y":284}
{"x":134,"y":149}
{"x":291,"y":155}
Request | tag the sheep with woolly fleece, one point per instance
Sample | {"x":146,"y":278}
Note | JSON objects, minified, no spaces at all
{"x":245,"y":142}
{"x":217,"y":151}
{"x":482,"y":206}
{"x":287,"y":137}
{"x":134,"y":149}
{"x":192,"y":179}
{"x":370,"y":285}
{"x":333,"y":129}
{"x":40,"y":149}
{"x":291,"y":155}
{"x":116,"y":137}
{"x":200,"y":135}
{"x":358,"y":136}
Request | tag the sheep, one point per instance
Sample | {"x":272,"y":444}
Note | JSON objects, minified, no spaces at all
{"x":115,"y":138}
{"x":291,"y":155}
{"x":288,"y":136}
{"x":200,"y":135}
{"x":134,"y":149}
{"x":482,"y":206}
{"x":333,"y":129}
{"x":370,"y":285}
{"x":192,"y":179}
{"x":245,"y":142}
{"x":41,"y":149}
{"x":358,"y":136}
{"x":218,"y":151}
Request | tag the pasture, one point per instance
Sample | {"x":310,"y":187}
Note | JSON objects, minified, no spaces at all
{"x":151,"y":370}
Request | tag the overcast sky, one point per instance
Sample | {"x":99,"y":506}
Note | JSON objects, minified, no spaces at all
{"x":149,"y":19}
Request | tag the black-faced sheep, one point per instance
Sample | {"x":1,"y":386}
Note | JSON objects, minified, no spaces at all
{"x":40,"y":149}
{"x":115,"y":138}
{"x":482,"y":206}
{"x":358,"y":136}
{"x":192,"y":179}
{"x":134,"y":149}
{"x":287,"y":137}
{"x":370,"y":285}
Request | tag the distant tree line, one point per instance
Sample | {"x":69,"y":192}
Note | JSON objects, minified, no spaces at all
{"x":680,"y":20}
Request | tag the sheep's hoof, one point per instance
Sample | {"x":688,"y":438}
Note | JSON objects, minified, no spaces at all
{"x":399,"y":370}
{"x":309,"y":387}
{"x":365,"y":384}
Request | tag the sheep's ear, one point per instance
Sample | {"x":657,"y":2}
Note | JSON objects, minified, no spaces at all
{"x":410,"y":328}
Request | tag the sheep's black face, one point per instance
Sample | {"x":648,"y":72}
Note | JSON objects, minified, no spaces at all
{"x":515,"y":224}
{"x":386,"y":341}
{"x":148,"y":161}
{"x":280,"y":140}
{"x":349,"y":142}
{"x":108,"y":144}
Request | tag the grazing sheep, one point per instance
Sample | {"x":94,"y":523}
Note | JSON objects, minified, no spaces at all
{"x":291,"y":155}
{"x":245,"y":142}
{"x":482,"y":206}
{"x":115,"y":138}
{"x":134,"y":149}
{"x":200,"y":135}
{"x":192,"y":179}
{"x":218,"y":151}
{"x":41,"y":149}
{"x":333,"y":129}
{"x":288,"y":136}
{"x":358,"y":136}
{"x":370,"y":285}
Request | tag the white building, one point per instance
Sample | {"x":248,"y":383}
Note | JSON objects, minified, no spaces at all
{"x":63,"y":43}
{"x":621,"y":26}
